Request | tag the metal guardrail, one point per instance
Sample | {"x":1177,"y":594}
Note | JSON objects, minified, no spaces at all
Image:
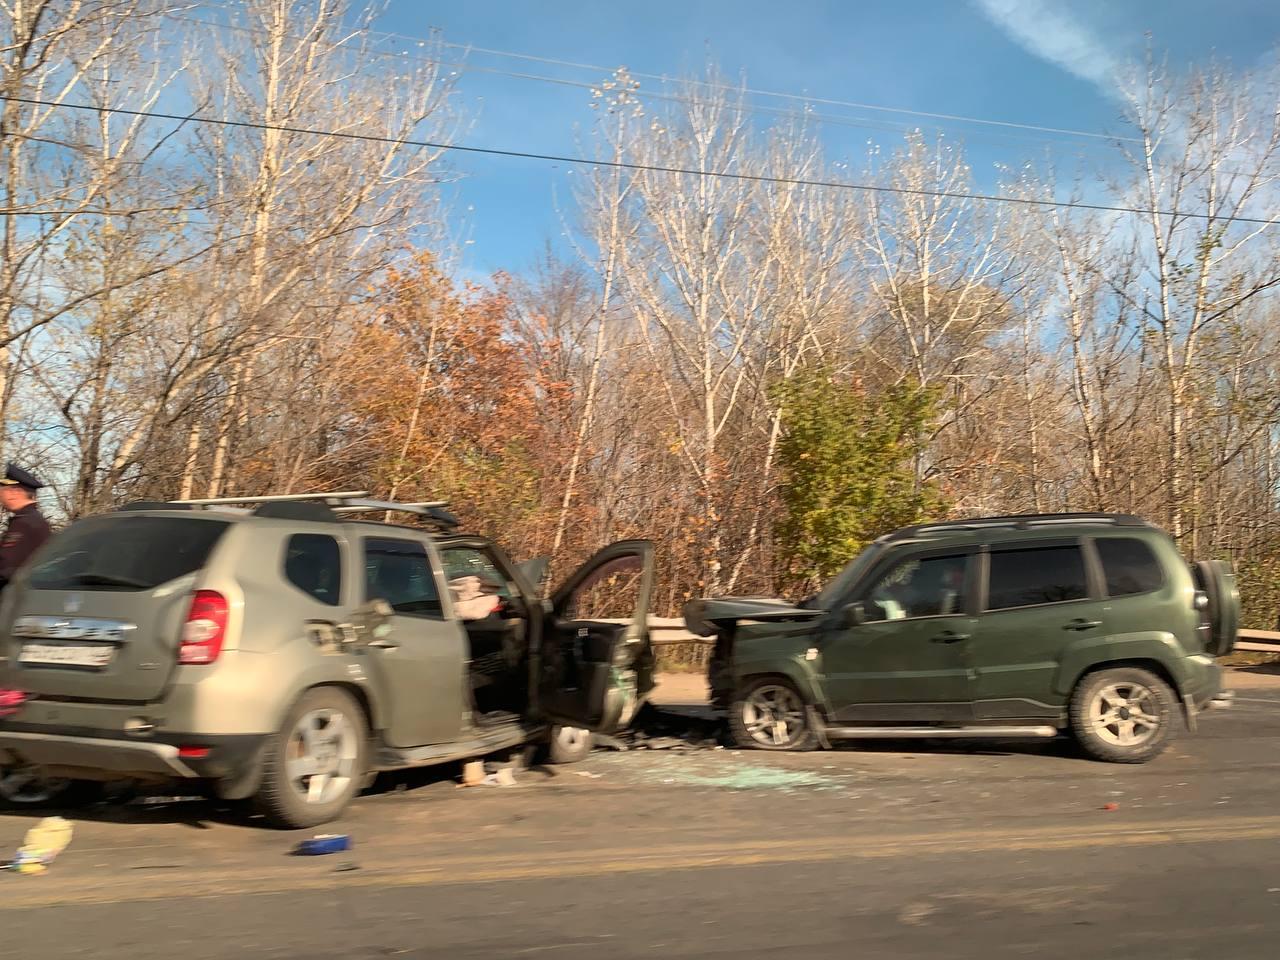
{"x":675,"y":644}
{"x":1258,"y":641}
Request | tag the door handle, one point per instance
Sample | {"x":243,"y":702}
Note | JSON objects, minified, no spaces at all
{"x":949,"y":636}
{"x":1082,"y":624}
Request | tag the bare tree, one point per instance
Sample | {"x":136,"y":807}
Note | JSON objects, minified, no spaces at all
{"x":692,"y":285}
{"x":312,"y":201}
{"x":58,"y":171}
{"x":1206,"y":157}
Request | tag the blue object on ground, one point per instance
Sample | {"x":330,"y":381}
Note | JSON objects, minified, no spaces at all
{"x":324,"y":843}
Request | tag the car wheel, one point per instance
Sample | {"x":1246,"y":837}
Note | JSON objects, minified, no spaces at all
{"x":568,"y":744}
{"x":1124,"y":715}
{"x":315,"y":765}
{"x":27,"y":786}
{"x":770,"y":714}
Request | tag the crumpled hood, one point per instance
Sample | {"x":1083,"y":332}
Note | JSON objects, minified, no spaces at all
{"x":702,"y":616}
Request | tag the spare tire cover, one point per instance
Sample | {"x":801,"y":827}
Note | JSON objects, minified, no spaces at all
{"x":1218,"y":581}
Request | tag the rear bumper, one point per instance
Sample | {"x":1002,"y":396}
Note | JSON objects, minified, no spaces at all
{"x":96,"y":755}
{"x":92,"y":754}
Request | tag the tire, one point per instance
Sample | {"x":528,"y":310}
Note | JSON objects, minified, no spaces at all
{"x":1131,"y":698}
{"x":568,"y":745}
{"x":1217,"y":581}
{"x":769,"y":713}
{"x":323,"y":736}
{"x":26,"y":788}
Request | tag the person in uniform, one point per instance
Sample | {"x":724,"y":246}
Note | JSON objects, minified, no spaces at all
{"x":27,"y":529}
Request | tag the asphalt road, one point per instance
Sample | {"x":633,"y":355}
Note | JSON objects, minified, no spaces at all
{"x":959,"y":851}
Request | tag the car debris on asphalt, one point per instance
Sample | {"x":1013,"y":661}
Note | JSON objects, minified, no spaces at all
{"x":477,"y":773}
{"x":41,"y":846}
{"x":653,"y":728}
{"x":323,"y":844}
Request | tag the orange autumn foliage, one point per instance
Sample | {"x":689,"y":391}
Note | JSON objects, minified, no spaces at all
{"x":451,"y":403}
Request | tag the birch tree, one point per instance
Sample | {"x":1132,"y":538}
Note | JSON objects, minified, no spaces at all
{"x":313,"y":200}
{"x":57,"y":171}
{"x":1206,"y":157}
{"x":694,"y":289}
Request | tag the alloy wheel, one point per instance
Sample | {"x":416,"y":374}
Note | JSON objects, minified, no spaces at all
{"x":322,"y":756}
{"x":773,"y":715}
{"x":1125,"y":714}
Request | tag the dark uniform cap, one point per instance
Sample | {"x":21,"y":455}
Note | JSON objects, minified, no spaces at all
{"x":14,"y":475}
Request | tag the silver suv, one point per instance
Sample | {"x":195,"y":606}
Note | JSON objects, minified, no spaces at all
{"x":288,"y":648}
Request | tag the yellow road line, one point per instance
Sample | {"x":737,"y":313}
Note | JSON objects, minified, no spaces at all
{"x":252,"y":879}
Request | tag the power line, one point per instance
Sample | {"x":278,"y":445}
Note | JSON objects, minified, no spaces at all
{"x":634,"y":166}
{"x":826,"y":101}
{"x":1099,"y":138}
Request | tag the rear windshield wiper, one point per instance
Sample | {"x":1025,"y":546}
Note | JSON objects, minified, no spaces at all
{"x":106,"y":580}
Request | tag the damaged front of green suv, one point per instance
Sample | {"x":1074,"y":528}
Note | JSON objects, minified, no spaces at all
{"x":757,"y":637}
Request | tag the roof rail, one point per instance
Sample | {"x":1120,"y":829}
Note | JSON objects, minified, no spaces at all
{"x":340,"y":502}
{"x":1020,"y":522}
{"x":431,"y":510}
{"x":339,"y":495}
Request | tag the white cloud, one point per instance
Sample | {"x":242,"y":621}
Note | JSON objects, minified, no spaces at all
{"x":1048,"y":31}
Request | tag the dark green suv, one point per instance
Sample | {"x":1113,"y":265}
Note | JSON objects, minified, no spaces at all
{"x":1002,"y":627}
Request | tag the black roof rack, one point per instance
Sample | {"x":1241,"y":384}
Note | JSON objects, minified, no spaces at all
{"x":1024,"y":521}
{"x":296,"y":510}
{"x":150,"y":505}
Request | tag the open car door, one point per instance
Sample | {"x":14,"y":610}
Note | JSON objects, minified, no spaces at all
{"x":597,"y":661}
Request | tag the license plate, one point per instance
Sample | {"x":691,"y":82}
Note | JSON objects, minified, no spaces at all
{"x":92,"y":655}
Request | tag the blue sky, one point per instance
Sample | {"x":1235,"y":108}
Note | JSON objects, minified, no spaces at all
{"x":1043,"y":62}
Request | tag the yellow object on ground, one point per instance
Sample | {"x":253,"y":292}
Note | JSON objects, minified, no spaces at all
{"x":42,"y":844}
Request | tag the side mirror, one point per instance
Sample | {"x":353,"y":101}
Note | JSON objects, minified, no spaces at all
{"x":854,"y":614}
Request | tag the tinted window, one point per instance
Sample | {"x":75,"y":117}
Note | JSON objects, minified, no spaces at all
{"x":1021,"y":578}
{"x":1130,"y":566}
{"x":313,"y":564}
{"x":399,"y":572}
{"x":929,"y":587}
{"x":125,"y":552}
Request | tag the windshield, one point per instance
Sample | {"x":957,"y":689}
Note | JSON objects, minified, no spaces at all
{"x":827,"y":598}
{"x":122,"y":552}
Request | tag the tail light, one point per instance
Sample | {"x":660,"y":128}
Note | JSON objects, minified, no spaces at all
{"x":205,"y":629}
{"x":11,"y":702}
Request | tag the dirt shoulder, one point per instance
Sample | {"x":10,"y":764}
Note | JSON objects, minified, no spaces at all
{"x":1262,"y":675}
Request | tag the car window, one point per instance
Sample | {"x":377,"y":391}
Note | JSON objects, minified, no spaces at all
{"x":838,"y":589}
{"x":918,"y":587}
{"x":468,"y":562}
{"x":612,"y":591}
{"x":125,"y":552}
{"x":1024,"y":578}
{"x":399,"y":572}
{"x":313,"y":564}
{"x":477,"y":585}
{"x":1130,"y":566}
